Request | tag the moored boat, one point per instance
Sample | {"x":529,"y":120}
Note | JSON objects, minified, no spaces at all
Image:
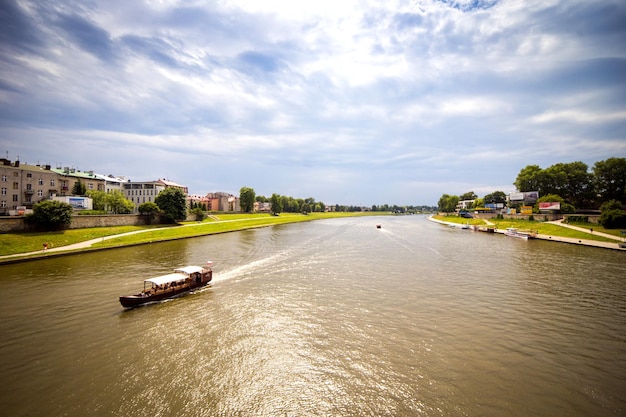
{"x":181,"y":281}
{"x":514,"y":232}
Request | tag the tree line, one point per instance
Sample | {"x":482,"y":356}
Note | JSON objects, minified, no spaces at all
{"x":577,"y":185}
{"x":278,"y":203}
{"x":571,"y":184}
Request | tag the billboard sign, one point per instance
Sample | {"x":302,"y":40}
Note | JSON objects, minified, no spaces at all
{"x":550,"y":206}
{"x":527,"y":197}
{"x":77,"y":202}
{"x":526,"y":210}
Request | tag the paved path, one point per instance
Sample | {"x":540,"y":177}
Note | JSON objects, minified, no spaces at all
{"x":88,"y":243}
{"x":80,"y":245}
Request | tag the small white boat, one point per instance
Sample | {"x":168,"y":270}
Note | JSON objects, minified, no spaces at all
{"x":514,"y":232}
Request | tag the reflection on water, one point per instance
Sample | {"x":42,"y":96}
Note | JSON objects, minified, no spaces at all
{"x":325,"y":318}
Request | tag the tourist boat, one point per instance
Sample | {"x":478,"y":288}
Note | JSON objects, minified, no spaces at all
{"x":514,"y":232}
{"x":181,"y":281}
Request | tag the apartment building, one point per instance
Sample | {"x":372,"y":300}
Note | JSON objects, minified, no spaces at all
{"x":24,"y":185}
{"x":221,"y":201}
{"x":68,"y":177}
{"x":142,"y":192}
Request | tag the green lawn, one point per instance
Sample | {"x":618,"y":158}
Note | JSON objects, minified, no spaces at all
{"x":15,"y":243}
{"x":12,"y":243}
{"x":543,"y":228}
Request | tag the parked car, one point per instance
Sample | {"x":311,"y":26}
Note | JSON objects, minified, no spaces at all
{"x":465,"y":214}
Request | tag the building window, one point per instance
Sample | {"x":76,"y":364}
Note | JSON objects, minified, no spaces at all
{"x":16,"y":174}
{"x":40,"y":182}
{"x":29,"y":175}
{"x":90,"y":186}
{"x":3,"y":204}
{"x":52,"y":182}
{"x":16,"y":185}
{"x":4,"y":178}
{"x":29,"y":187}
{"x":15,"y":197}
{"x":39,"y":193}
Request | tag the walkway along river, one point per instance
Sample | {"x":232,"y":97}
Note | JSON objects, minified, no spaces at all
{"x":333,"y":317}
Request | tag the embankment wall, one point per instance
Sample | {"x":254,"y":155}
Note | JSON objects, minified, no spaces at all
{"x":18,"y":224}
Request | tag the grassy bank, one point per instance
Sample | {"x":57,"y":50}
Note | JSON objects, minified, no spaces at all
{"x":16,"y":243}
{"x":12,"y":243}
{"x":543,"y":228}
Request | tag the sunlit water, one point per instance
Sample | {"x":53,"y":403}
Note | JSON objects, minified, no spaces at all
{"x":332,"y":318}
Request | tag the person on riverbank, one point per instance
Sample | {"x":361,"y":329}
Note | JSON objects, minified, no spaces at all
{"x":45,"y":246}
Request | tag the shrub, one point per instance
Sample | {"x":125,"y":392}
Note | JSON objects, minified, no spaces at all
{"x":51,"y":215}
{"x":577,"y":219}
{"x":613,"y":219}
{"x":198,"y":214}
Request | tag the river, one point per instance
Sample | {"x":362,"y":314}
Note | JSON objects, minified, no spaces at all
{"x":325,"y":318}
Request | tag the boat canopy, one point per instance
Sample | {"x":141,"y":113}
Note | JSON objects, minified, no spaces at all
{"x":189,"y":269}
{"x":166,"y":279}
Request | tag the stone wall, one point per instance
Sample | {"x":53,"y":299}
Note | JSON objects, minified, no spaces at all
{"x":17,"y":224}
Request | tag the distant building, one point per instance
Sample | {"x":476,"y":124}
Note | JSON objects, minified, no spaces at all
{"x":221,"y":201}
{"x":464,"y":204}
{"x":112,"y":183}
{"x":142,"y":192}
{"x":524,"y":198}
{"x":171,"y":184}
{"x":24,"y":185}
{"x":197,"y":200}
{"x":146,"y":192}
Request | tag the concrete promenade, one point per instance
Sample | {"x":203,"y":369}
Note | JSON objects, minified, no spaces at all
{"x":585,"y":242}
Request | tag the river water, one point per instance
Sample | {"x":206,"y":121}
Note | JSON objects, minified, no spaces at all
{"x":326,"y":318}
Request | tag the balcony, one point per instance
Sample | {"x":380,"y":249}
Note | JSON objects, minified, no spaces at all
{"x":29,"y":192}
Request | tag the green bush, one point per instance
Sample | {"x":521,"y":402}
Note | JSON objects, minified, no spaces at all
{"x":577,"y":219}
{"x":613,"y":219}
{"x":50,"y":215}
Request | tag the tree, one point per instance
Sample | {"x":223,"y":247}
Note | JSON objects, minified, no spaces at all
{"x":471,"y":195}
{"x":497,"y":197}
{"x":246,"y":199}
{"x":529,"y":179}
{"x":118,"y":204}
{"x":51,"y":214}
{"x":99,"y":199}
{"x":612,"y":215}
{"x":610,"y":179}
{"x":447,"y":203}
{"x":276,"y":205}
{"x":171,"y":202}
{"x":572,"y":181}
{"x":79,"y":188}
{"x":305,"y":209}
{"x":198,"y":213}
{"x":148,"y":209}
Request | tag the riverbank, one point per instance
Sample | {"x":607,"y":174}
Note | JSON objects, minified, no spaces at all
{"x":106,"y":238}
{"x":610,"y":242}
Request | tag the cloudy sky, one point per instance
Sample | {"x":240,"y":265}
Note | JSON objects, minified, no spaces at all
{"x":346,"y":101}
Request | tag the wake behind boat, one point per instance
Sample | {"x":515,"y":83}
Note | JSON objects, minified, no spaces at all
{"x":182,"y":280}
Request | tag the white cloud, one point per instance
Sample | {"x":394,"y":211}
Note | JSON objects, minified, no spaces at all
{"x":337,"y":100}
